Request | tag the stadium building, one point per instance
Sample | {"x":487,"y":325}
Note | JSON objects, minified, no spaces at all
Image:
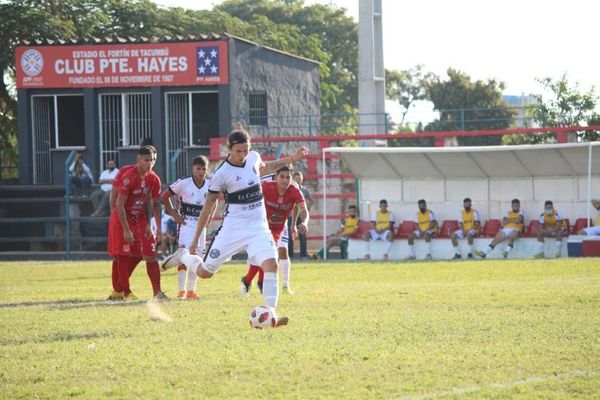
{"x":105,"y":96}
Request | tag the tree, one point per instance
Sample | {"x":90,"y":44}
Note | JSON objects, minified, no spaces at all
{"x":466,"y":105}
{"x":330,"y":27}
{"x":406,"y":87}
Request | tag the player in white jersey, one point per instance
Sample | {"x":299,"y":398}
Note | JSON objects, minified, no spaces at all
{"x":244,"y":224}
{"x":191,"y":193}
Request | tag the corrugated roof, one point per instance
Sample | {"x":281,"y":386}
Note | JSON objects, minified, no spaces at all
{"x":151,"y":39}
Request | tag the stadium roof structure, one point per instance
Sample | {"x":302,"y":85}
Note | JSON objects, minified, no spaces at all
{"x":545,"y":160}
{"x":572,"y":160}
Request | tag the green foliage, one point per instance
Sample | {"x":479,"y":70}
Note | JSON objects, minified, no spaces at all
{"x":407,"y":86}
{"x":566,"y":105}
{"x":506,"y":329}
{"x":467,"y":105}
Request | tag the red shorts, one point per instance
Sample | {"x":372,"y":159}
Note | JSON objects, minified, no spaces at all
{"x":276,"y":232}
{"x":141,"y":245}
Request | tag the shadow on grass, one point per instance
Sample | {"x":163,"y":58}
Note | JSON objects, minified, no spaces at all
{"x":72,"y":303}
{"x":57,"y":337}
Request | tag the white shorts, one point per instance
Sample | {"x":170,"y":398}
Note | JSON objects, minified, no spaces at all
{"x":258,"y":244}
{"x":185,"y":236}
{"x":508,"y":231}
{"x":418,"y":233}
{"x":379,"y":235}
{"x":284,"y":239}
{"x":593,"y":230}
{"x":461,"y":235}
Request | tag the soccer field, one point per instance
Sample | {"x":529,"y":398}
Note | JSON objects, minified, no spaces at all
{"x":459,"y":330}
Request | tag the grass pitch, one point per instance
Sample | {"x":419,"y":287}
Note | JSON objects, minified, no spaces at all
{"x":457,"y":330}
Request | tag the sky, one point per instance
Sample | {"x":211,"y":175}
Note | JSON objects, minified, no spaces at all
{"x":513,"y":41}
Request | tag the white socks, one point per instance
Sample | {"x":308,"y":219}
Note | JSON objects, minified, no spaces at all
{"x":540,"y":247}
{"x":411,"y":250}
{"x":428,"y":246}
{"x":191,"y":280}
{"x":456,"y":250}
{"x":270,"y":289}
{"x":191,"y":261}
{"x":181,"y":280}
{"x":285,"y":266}
{"x":388,"y":247}
{"x":488,"y":250}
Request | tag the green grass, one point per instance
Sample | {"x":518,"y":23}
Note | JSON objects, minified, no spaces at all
{"x":458,"y":330}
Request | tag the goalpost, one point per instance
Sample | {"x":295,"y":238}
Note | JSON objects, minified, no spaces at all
{"x":542,"y":165}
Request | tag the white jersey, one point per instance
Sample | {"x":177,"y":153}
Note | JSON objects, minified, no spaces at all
{"x":191,"y":197}
{"x":244,"y":205}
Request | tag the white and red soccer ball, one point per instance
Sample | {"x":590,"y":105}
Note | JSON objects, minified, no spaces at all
{"x":263,"y":317}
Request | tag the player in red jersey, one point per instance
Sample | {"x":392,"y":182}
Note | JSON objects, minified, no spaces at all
{"x":130,"y":234}
{"x":281,"y":198}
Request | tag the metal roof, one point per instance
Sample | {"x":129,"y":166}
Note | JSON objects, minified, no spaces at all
{"x":550,"y":160}
{"x":151,"y":39}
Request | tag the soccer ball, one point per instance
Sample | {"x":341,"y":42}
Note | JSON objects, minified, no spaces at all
{"x":263,"y":317}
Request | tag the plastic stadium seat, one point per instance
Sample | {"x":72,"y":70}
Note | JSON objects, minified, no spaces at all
{"x":533,"y":228}
{"x":580,"y":223}
{"x":448,"y":227}
{"x":491,"y":228}
{"x":405,"y":228}
{"x":363,"y":228}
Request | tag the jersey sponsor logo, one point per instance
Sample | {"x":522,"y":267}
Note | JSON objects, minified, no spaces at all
{"x":215,"y":253}
{"x":249,"y":195}
{"x":191,"y":210}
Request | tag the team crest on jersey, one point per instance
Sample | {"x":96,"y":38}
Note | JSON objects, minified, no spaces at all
{"x":251,"y":182}
{"x":215,"y":253}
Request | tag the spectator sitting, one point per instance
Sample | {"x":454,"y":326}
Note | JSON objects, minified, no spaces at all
{"x":81,"y":175}
{"x":348,"y":228}
{"x":101,"y":196}
{"x":169,"y":233}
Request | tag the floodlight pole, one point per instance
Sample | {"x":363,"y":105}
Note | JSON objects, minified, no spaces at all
{"x":589,"y":184}
{"x":324,"y":171}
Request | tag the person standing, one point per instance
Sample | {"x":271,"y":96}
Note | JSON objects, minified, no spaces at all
{"x":245,"y":226}
{"x":299,"y":179}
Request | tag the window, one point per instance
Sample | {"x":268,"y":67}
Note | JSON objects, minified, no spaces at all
{"x":257,"y":109}
{"x":71,"y":127}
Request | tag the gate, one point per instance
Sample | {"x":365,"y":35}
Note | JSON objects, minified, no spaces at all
{"x":42,"y":121}
{"x":178,"y":122}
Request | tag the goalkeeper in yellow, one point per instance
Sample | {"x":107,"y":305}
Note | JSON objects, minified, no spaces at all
{"x":383,"y":229}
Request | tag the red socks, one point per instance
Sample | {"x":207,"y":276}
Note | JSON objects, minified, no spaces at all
{"x":153,"y":271}
{"x":252,"y":271}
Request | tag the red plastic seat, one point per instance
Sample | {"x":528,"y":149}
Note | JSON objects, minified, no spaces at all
{"x":533,"y":228}
{"x":580,"y":223}
{"x":363,"y":228}
{"x":405,"y":229}
{"x":448,"y":227}
{"x":491,"y":228}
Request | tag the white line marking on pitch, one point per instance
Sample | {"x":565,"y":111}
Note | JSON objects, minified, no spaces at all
{"x":502,"y":385}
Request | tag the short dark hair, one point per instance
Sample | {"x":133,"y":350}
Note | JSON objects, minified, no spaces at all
{"x":238,"y":136}
{"x":147,"y":150}
{"x":467,"y":199}
{"x":383,"y":201}
{"x":548,"y":203}
{"x":352,"y":206}
{"x":200,"y":160}
{"x":283,"y":169}
{"x":422,"y":201}
{"x":515,"y":201}
{"x":298,"y":173}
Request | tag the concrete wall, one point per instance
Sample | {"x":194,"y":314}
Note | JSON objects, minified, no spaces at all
{"x":291,"y":84}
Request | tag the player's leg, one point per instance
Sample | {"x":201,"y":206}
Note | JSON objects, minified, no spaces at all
{"x":411,"y":244}
{"x":427,"y":236}
{"x":511,"y":237}
{"x":369,"y":236}
{"x":500,"y":236}
{"x":389,"y":238}
{"x":253,"y":270}
{"x":558,"y":240}
{"x":470,"y":239}
{"x":181,"y":275}
{"x":192,"y":278}
{"x":285,"y":265}
{"x":457,"y":234}
{"x":540,"y":243}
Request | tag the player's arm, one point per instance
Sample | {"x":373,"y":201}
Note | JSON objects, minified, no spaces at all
{"x":304,"y":217}
{"x":157,"y":216}
{"x":271,"y":166}
{"x":209,"y":206}
{"x":165,"y":198}
{"x":120,"y":205}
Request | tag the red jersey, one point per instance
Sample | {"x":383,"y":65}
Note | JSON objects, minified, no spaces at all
{"x":279,"y":207}
{"x":129,"y":182}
